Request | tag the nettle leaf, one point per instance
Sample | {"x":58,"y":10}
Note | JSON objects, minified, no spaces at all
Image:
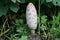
{"x":14,"y":7}
{"x":3,"y":10}
{"x":48,"y":0}
{"x":14,"y":1}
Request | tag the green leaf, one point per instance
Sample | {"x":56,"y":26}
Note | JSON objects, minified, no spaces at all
{"x":18,"y":1}
{"x":43,"y":27}
{"x":3,"y":10}
{"x":20,"y":29}
{"x":24,"y":38}
{"x":19,"y":21}
{"x":14,"y":1}
{"x":43,"y":19}
{"x":58,"y":30}
{"x":22,"y":1}
{"x":14,"y":7}
{"x":48,"y":0}
{"x":57,"y":39}
{"x":56,"y":2}
{"x":33,"y":1}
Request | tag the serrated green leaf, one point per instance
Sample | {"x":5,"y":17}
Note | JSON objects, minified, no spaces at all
{"x":14,"y":7}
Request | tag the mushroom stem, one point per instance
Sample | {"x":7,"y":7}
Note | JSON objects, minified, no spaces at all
{"x":32,"y":31}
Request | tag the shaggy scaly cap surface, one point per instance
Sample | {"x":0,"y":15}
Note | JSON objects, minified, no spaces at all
{"x":31,"y":16}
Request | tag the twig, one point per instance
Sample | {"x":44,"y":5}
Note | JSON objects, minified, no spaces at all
{"x":4,"y":32}
{"x":5,"y":23}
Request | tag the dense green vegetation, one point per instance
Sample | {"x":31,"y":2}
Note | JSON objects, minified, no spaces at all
{"x":13,"y":19}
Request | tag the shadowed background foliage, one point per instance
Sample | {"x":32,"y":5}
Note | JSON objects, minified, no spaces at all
{"x":13,"y":19}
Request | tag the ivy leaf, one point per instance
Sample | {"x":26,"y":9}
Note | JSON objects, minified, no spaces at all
{"x":3,"y":10}
{"x":14,"y":1}
{"x":14,"y":7}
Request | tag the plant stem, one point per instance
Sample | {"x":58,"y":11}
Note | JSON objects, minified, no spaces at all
{"x":39,"y":16}
{"x":4,"y":32}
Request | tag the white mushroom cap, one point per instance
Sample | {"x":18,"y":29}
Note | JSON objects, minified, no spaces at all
{"x":31,"y":16}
